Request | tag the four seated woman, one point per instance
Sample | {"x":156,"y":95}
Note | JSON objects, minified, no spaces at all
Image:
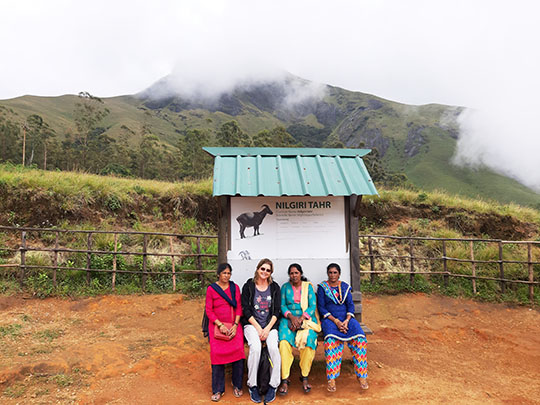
{"x":262,"y":304}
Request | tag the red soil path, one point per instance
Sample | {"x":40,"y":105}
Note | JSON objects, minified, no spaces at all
{"x":148,"y":350}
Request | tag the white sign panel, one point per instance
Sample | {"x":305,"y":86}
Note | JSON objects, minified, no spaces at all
{"x":306,"y":230}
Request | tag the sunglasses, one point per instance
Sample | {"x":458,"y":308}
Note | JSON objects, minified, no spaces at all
{"x":266,"y":269}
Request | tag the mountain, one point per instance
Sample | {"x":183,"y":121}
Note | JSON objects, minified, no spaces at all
{"x":416,"y":140}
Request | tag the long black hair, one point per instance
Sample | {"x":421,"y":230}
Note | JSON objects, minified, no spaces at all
{"x":299,"y":268}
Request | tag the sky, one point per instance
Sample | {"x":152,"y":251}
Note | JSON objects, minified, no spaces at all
{"x":484,"y":55}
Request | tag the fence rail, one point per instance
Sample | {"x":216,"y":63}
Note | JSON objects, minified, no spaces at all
{"x":402,"y":248}
{"x":501,"y":261}
{"x":56,"y":265}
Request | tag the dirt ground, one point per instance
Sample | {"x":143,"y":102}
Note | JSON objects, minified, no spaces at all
{"x":149,"y":350}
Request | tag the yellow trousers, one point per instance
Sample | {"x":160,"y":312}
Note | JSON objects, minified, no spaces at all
{"x":306,"y":359}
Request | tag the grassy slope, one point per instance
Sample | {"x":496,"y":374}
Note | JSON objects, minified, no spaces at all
{"x":164,"y":206}
{"x":88,"y":187}
{"x":431,"y":169}
{"x":128,"y":111}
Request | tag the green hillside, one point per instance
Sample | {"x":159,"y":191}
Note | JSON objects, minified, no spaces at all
{"x":150,"y":137}
{"x":77,"y":201}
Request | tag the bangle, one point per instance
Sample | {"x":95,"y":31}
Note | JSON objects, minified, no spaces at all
{"x":236,"y":323}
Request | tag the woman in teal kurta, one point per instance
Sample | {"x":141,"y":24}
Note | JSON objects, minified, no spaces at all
{"x":291,"y":323}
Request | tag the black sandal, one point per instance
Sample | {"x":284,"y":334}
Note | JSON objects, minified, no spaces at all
{"x":284,"y":387}
{"x":305,"y":384}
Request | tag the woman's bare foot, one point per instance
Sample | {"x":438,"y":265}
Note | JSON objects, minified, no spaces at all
{"x":331,"y":385}
{"x":363,"y":383}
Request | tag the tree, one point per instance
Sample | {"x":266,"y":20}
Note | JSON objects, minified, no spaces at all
{"x":231,"y":135}
{"x":89,"y":112}
{"x":334,"y":144}
{"x":147,"y":152}
{"x":38,"y":135}
{"x":276,"y":137}
{"x":263,"y":139}
{"x":373,"y":165}
{"x":194,"y":163}
{"x":379,"y":173}
{"x":9,"y":139}
{"x":281,"y":138}
{"x":308,"y":135}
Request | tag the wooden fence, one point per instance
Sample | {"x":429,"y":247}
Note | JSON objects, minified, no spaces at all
{"x":505,"y":262}
{"x":384,"y":254}
{"x":24,"y":236}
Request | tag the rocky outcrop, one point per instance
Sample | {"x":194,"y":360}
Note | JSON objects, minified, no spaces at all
{"x":357,"y":129}
{"x":415,"y":139}
{"x":449,"y":121}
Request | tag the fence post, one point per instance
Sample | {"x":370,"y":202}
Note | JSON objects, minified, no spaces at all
{"x":411,"y":274}
{"x":373,"y":275}
{"x":172,"y":264}
{"x":144,"y":260}
{"x":22,"y":249}
{"x":531,"y":273}
{"x":445,"y":264}
{"x":55,"y":258}
{"x":88,"y":257}
{"x":501,"y":267}
{"x":114,"y":262}
{"x":473,"y":268}
{"x":199,"y":263}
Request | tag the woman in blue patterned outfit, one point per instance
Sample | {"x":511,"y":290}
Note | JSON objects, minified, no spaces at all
{"x":298,"y":327}
{"x":336,"y":308}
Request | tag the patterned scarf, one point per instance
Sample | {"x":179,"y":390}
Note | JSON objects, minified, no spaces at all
{"x":335,"y":295}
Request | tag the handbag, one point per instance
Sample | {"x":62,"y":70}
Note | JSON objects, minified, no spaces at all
{"x":265,"y":370}
{"x":221,"y":336}
{"x":204,"y":324}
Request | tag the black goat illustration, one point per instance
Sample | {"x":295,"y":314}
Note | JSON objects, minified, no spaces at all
{"x":254,"y":219}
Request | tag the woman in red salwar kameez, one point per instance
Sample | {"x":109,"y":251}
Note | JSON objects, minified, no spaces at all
{"x":223,"y":305}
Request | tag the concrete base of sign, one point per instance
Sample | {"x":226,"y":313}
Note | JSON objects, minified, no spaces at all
{"x":357,"y":299}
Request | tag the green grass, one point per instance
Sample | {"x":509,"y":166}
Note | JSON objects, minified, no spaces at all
{"x":438,"y":198}
{"x":487,"y":290}
{"x":393,"y":256}
{"x":431,"y":169}
{"x":62,"y":380}
{"x":11,"y":330}
{"x":15,"y":391}
{"x":89,"y":187}
{"x":48,"y":335}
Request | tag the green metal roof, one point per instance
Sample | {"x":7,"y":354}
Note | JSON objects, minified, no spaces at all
{"x":252,"y":172}
{"x":286,"y":152}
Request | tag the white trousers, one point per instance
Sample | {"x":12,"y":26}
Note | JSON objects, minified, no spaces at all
{"x":254,"y":356}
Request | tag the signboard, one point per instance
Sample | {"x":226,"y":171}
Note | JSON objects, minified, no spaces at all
{"x":305,"y":230}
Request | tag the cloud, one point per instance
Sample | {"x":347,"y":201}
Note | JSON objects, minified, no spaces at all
{"x":198,"y":79}
{"x":480,"y":54}
{"x":210,"y":74}
{"x":503,"y":139}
